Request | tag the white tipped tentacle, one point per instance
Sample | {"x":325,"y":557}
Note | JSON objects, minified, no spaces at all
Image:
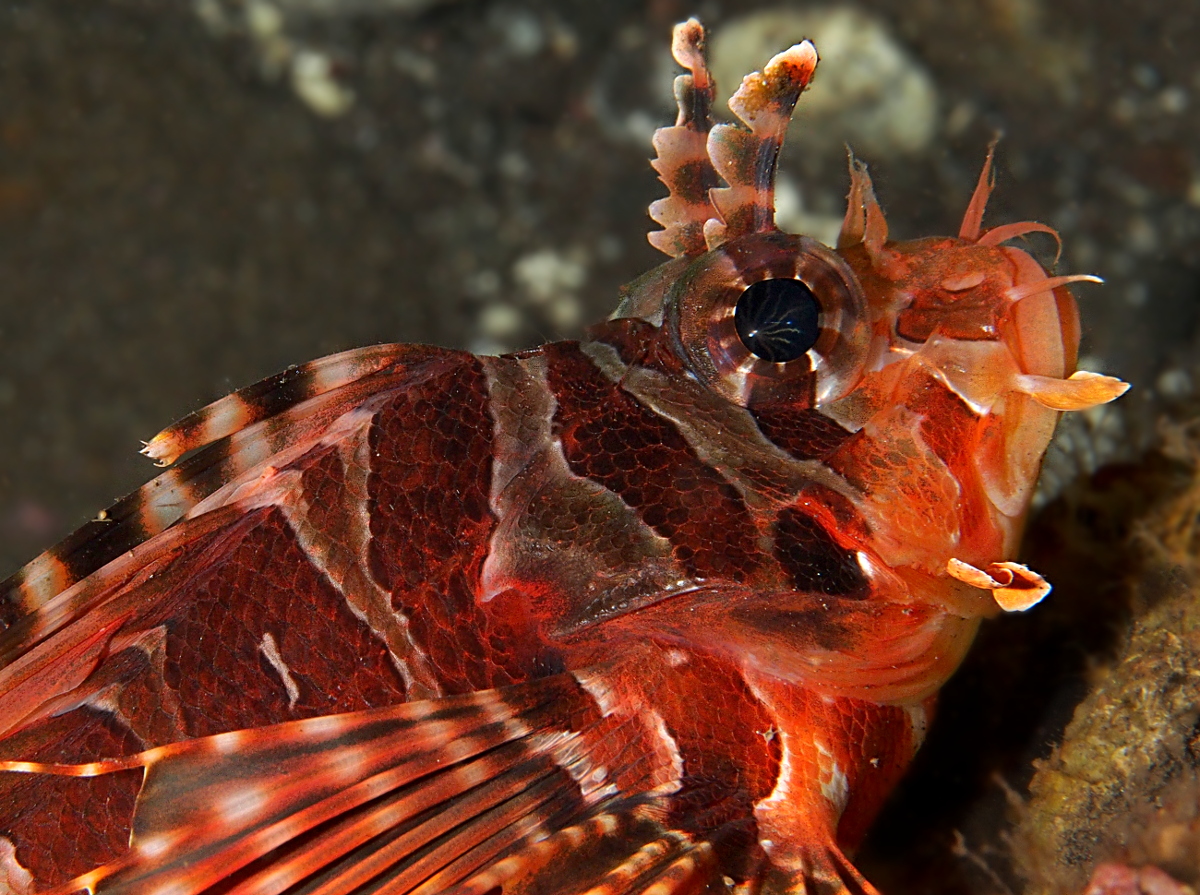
{"x":1080,"y":391}
{"x":1025,"y":290}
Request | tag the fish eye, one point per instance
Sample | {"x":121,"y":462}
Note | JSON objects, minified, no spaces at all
{"x":778,"y":320}
{"x":770,"y":318}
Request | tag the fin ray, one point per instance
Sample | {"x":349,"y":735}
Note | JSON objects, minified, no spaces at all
{"x":459,"y":794}
{"x":324,"y":787}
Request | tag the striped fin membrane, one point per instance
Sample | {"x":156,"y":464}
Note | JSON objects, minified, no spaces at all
{"x":229,"y":436}
{"x":462,"y":794}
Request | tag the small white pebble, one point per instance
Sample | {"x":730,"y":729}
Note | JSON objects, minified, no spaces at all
{"x":499,"y":321}
{"x":547,"y":273}
{"x":211,"y":15}
{"x":522,"y":33}
{"x":263,"y":19}
{"x":1173,"y":383}
{"x":566,"y":311}
{"x":514,"y":166}
{"x":609,"y":247}
{"x":1124,"y":109}
{"x":563,"y":41}
{"x":483,"y":283}
{"x":1141,"y":235}
{"x":639,"y":126}
{"x":630,"y":37}
{"x":1173,"y":99}
{"x":1145,"y":76}
{"x":312,"y":79}
{"x":960,"y":118}
{"x":1193,"y":193}
{"x":420,"y":68}
{"x":487,"y":347}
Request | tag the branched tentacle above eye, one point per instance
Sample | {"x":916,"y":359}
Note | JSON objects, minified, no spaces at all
{"x":864,"y":222}
{"x":693,"y":156}
{"x":747,"y":157}
{"x":682,"y":163}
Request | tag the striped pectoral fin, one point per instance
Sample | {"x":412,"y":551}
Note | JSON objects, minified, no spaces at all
{"x":465,"y":793}
{"x":617,"y":851}
{"x":825,"y":871}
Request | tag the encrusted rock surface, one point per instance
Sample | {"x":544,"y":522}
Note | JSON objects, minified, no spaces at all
{"x":1124,"y":785}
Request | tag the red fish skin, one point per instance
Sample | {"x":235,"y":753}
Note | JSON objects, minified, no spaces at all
{"x":647,"y":612}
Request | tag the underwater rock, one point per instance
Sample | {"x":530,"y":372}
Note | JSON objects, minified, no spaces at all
{"x":1124,"y":784}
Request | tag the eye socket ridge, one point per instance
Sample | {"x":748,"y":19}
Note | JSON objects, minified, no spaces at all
{"x":779,"y":319}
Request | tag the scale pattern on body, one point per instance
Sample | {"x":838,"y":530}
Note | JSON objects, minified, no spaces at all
{"x":661,"y":611}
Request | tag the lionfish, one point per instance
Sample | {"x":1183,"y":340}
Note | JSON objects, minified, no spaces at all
{"x":664,"y":610}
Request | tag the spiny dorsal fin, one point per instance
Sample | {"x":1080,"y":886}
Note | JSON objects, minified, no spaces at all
{"x":269,"y":397}
{"x":234,"y":434}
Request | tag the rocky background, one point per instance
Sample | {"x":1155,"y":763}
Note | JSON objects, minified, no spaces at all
{"x":194,"y":195}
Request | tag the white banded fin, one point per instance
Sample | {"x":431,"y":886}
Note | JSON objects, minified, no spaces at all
{"x":266,"y":398}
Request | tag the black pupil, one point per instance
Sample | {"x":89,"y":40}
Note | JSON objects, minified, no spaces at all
{"x":777,"y":320}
